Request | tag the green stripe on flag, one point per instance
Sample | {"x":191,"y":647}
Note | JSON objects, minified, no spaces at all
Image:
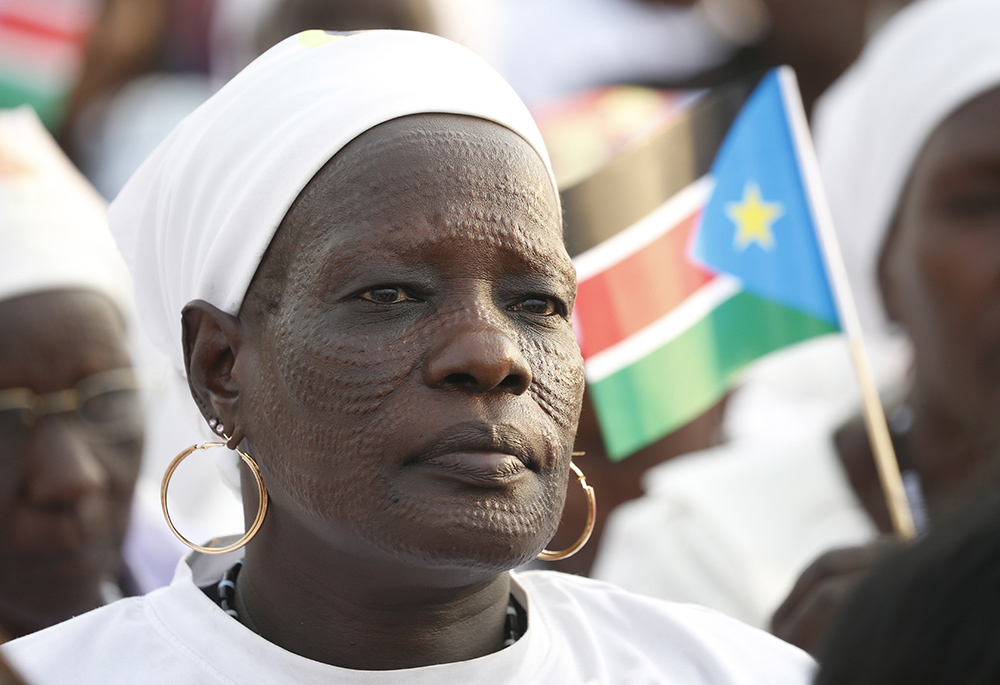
{"x":49,"y":103}
{"x":671,"y":386}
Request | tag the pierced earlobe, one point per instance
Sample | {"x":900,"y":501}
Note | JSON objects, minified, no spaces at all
{"x":217,"y":426}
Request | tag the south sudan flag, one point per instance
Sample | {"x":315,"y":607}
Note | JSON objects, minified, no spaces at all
{"x":696,"y":254}
{"x":42,"y":49}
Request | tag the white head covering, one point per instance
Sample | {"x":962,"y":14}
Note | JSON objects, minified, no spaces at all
{"x":196,"y":218}
{"x":53,"y":224}
{"x":928,"y":61}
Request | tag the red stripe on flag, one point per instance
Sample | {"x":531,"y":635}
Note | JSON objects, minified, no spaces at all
{"x":39,"y":29}
{"x":637,"y":291}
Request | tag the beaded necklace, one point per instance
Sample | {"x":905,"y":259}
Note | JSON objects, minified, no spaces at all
{"x":226,"y":592}
{"x":900,"y":421}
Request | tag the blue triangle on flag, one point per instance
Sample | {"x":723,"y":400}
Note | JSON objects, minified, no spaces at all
{"x":757,"y":225}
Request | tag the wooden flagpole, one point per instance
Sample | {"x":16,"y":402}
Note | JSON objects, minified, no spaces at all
{"x":878,"y":430}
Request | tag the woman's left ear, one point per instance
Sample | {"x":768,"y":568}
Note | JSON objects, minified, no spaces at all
{"x":212,"y":340}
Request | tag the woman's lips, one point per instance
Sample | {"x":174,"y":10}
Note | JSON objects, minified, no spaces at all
{"x":479,"y":468}
{"x":480,"y":454}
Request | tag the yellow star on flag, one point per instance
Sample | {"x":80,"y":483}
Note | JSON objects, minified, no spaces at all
{"x":753,"y":218}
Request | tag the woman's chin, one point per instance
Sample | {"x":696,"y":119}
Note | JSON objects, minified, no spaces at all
{"x":483,"y":558}
{"x":484,"y":550}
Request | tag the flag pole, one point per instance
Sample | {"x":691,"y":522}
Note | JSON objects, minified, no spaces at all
{"x":874,"y":415}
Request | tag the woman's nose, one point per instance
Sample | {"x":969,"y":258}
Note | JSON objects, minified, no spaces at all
{"x":480,"y":359}
{"x":63,"y":467}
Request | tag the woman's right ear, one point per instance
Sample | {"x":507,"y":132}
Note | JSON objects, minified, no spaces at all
{"x":211,"y":340}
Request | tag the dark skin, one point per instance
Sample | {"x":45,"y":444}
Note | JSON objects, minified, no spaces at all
{"x":7,"y":675}
{"x":940,"y":279}
{"x":64,"y":496}
{"x":404,"y":372}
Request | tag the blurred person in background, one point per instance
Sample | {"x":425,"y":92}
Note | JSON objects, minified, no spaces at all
{"x":909,"y":149}
{"x":152,"y":62}
{"x":70,"y":412}
{"x":930,"y":615}
{"x":550,"y":50}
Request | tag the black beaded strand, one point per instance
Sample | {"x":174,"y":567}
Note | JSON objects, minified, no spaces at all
{"x":226,"y":590}
{"x":512,"y":624}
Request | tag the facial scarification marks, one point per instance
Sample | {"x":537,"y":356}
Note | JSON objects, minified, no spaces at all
{"x":468,"y":214}
{"x":558,"y":387}
{"x":328,"y":365}
{"x":490,"y":201}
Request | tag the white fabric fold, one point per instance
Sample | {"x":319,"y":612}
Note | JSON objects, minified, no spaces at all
{"x":196,"y":218}
{"x":53,"y":225}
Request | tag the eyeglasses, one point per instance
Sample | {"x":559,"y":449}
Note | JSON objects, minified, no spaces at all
{"x":107,"y":404}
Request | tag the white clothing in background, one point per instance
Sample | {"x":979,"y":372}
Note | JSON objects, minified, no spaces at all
{"x":53,"y":225}
{"x":733,"y":527}
{"x":579,"y":631}
{"x":930,"y":59}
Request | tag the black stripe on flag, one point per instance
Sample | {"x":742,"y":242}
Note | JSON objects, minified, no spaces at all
{"x":644,"y":177}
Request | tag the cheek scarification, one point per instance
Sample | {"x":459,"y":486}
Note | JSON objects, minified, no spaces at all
{"x":558,"y":382}
{"x":342,"y":415}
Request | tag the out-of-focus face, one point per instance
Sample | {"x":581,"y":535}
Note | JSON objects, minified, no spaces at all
{"x":941,"y":270}
{"x":413,"y":392}
{"x":66,"y":478}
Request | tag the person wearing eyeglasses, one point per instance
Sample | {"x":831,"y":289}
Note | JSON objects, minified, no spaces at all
{"x":71,"y":420}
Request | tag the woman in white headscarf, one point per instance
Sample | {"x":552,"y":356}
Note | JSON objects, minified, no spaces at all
{"x":354,"y":250}
{"x":909,"y":147}
{"x":71,"y":425}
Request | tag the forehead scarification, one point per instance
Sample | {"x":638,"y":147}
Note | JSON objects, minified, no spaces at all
{"x":464,"y":178}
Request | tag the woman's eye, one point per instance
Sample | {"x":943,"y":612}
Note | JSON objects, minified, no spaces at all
{"x":975,"y":204}
{"x":386,"y":295}
{"x":541,"y":306}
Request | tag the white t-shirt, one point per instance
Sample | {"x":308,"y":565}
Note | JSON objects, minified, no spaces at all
{"x":579,"y":631}
{"x":732,"y":528}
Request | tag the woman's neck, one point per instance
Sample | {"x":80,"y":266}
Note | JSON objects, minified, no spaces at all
{"x":955,"y":462}
{"x":367,"y":615}
{"x":956,"y":459}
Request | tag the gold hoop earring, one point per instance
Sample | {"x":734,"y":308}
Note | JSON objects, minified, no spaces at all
{"x":546,"y":555}
{"x":261,"y":506}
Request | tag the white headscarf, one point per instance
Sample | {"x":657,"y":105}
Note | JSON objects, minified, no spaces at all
{"x":928,"y":61}
{"x":53,"y":224}
{"x":196,"y":218}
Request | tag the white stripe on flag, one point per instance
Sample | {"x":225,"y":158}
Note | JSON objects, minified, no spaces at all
{"x":663,"y":330}
{"x":644,"y":231}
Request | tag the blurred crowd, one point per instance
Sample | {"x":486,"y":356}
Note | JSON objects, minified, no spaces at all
{"x":767,"y":507}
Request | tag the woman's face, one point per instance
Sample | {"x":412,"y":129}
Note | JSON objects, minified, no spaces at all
{"x":941,"y":269}
{"x":65,"y":482}
{"x":413,"y":385}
